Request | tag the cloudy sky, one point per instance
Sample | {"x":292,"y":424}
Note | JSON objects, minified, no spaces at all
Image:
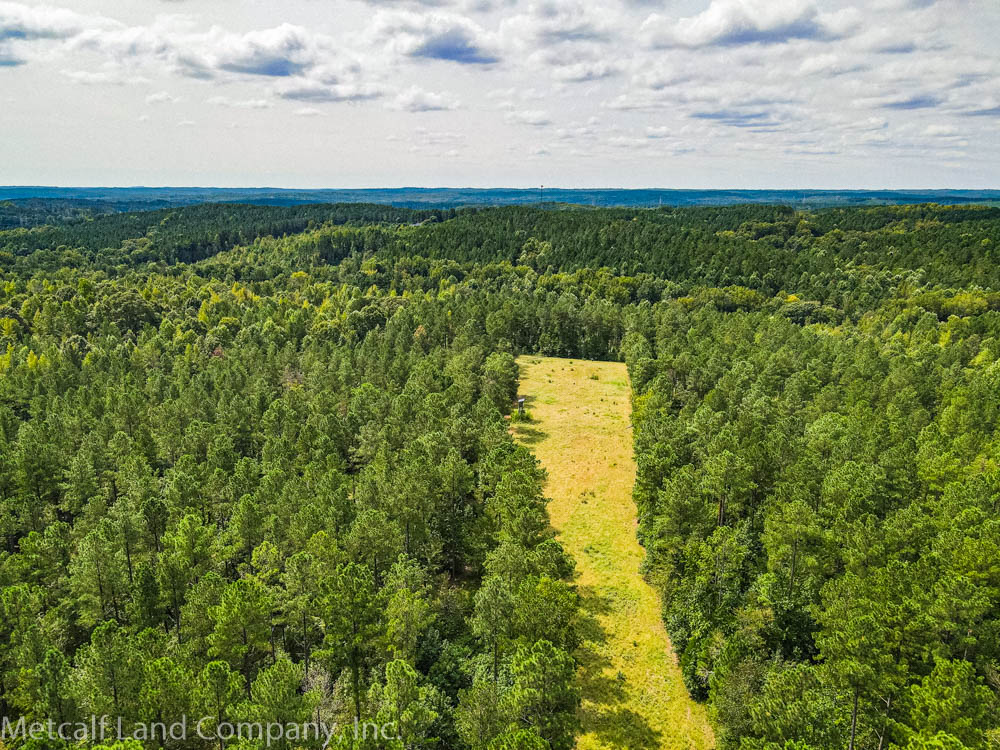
{"x":570,"y":93}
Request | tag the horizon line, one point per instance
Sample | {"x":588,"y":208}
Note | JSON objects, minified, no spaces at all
{"x":520,"y":188}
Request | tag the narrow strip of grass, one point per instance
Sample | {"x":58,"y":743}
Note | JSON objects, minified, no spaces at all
{"x":633,"y":694}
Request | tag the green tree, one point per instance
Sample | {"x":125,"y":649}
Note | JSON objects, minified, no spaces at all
{"x":405,"y":706}
{"x":351,"y":616}
{"x":242,"y":627}
{"x":480,"y":717}
{"x":952,"y":700}
{"x":219,"y":690}
{"x":277,"y":697}
{"x":545,"y":695}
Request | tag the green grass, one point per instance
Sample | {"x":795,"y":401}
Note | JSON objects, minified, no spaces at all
{"x":633,"y":694}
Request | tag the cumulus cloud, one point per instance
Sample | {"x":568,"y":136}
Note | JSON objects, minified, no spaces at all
{"x":830,"y":64}
{"x":633,"y":101}
{"x":318,"y":91}
{"x":737,"y":22}
{"x":556,"y":21}
{"x":582,"y":72}
{"x":577,"y":131}
{"x":170,"y":42}
{"x":282,"y":51}
{"x":342,"y":81}
{"x":534,"y":117}
{"x":225,"y":101}
{"x":416,"y":99}
{"x":575,"y":63}
{"x":628,"y":142}
{"x":111,"y":75}
{"x":26,"y":22}
{"x":941,"y":131}
{"x":161,"y":97}
{"x":435,"y":36}
{"x":22,"y":24}
{"x":661,"y":75}
{"x":572,"y":41}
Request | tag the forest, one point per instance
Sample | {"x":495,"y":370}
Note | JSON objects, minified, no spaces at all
{"x":255,"y":462}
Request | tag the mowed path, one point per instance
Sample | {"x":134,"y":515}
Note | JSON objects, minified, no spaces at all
{"x":633,"y":694}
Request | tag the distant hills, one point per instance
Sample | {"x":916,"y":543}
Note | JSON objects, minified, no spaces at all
{"x":106,"y":200}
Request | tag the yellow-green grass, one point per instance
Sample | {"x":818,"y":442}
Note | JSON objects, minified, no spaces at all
{"x":633,"y":694}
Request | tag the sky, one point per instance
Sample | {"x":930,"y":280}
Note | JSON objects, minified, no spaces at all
{"x":501,"y":93}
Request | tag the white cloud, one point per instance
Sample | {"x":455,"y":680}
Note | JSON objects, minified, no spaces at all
{"x":439,"y":137}
{"x":24,"y":27}
{"x":524,"y":94}
{"x":830,"y":63}
{"x":26,"y":22}
{"x":671,"y":72}
{"x":585,"y":71}
{"x":161,"y":97}
{"x":224,"y":101}
{"x":110,"y":76}
{"x":636,"y":101}
{"x":941,"y":131}
{"x":578,"y":131}
{"x":444,"y":143}
{"x":416,"y":99}
{"x":282,"y":51}
{"x":435,"y":36}
{"x":307,"y":112}
{"x":576,"y":63}
{"x":627,"y":142}
{"x":534,"y":117}
{"x":736,"y":22}
{"x":550,"y":22}
{"x":317,"y":91}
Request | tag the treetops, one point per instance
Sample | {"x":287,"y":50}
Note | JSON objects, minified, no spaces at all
{"x":257,"y":464}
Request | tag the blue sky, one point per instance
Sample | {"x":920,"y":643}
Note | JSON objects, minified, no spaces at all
{"x":638,"y":93}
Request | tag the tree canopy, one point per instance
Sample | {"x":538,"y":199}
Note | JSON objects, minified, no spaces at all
{"x":254,"y":462}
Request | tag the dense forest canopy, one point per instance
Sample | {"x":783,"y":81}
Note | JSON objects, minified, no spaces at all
{"x":255,"y":458}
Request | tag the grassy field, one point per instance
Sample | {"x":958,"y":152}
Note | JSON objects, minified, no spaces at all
{"x":633,"y":695}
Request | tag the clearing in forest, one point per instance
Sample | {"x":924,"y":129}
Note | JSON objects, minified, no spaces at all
{"x":633,"y":694}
